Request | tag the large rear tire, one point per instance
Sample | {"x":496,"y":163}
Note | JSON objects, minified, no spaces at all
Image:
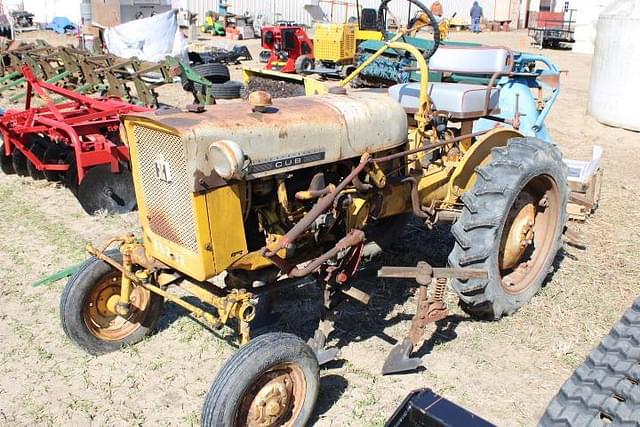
{"x":272,"y":381}
{"x":605,"y":389}
{"x":511,"y":225}
{"x":85,"y":312}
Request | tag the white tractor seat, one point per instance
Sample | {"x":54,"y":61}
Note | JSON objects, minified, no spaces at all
{"x":462,"y":100}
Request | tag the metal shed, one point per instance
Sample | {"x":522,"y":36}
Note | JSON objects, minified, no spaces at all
{"x":293,"y":10}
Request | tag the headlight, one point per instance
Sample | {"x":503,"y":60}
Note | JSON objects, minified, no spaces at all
{"x":226,"y":159}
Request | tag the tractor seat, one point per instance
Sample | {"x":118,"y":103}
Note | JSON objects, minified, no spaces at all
{"x":461,"y":100}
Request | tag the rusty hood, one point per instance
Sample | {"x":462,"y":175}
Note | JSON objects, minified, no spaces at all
{"x":292,"y":133}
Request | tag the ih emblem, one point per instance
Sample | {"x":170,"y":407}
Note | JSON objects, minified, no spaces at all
{"x":163,"y":169}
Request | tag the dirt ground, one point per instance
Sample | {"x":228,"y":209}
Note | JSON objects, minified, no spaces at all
{"x":505,"y":371}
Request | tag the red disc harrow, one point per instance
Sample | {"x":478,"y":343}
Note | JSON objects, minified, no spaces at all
{"x":74,"y":139}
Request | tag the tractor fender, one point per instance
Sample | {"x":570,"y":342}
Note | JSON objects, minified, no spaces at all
{"x":464,"y":175}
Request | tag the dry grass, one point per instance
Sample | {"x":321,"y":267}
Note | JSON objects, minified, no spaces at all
{"x":505,"y":371}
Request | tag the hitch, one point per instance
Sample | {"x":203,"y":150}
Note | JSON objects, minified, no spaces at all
{"x":429,"y":308}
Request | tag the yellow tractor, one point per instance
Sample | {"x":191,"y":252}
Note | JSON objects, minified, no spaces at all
{"x":256,"y":196}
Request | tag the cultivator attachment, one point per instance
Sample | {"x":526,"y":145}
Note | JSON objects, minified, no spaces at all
{"x":75,"y":141}
{"x":430,"y":308}
{"x":84,"y":72}
{"x":68,"y":136}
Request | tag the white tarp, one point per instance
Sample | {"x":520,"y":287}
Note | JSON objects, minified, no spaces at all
{"x":149,"y":39}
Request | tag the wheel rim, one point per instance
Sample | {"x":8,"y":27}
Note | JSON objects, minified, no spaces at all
{"x":529,"y":234}
{"x":275,"y":398}
{"x":99,"y":309}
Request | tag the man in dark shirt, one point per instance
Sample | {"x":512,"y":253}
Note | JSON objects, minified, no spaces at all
{"x":476,"y":14}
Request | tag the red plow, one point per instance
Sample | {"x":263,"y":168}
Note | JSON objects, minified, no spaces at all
{"x":73,"y":139}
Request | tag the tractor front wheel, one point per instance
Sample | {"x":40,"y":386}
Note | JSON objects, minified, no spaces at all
{"x":511,"y":226}
{"x":87,"y":308}
{"x":272,"y":381}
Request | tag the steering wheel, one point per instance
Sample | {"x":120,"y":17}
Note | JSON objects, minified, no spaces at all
{"x":414,"y":24}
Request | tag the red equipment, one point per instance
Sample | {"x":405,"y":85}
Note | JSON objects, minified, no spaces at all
{"x":290,"y":46}
{"x":76,"y":141}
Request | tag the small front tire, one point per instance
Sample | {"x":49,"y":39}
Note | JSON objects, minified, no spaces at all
{"x":272,"y":381}
{"x":85,"y":312}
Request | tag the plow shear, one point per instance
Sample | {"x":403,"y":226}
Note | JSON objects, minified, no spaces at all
{"x":430,"y":308}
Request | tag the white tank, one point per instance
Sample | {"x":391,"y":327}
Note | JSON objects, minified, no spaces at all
{"x":586,"y":18}
{"x":613,"y":93}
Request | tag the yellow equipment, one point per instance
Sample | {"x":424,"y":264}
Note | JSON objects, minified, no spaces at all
{"x":335,"y":43}
{"x":334,"y":54}
{"x":275,"y":193}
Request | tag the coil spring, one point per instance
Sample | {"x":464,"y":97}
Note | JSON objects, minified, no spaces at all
{"x":439,"y":289}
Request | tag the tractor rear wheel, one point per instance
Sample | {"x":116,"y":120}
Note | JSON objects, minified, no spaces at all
{"x":272,"y":381}
{"x":87,"y":308}
{"x":511,"y":225}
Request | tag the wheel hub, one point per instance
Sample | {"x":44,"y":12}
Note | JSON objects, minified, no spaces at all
{"x":271,"y":402}
{"x":520,"y":231}
{"x":100,"y":311}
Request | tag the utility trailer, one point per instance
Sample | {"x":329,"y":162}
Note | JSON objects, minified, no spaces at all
{"x":552,"y":29}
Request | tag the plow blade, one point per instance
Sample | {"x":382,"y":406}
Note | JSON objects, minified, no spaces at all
{"x":281,"y":85}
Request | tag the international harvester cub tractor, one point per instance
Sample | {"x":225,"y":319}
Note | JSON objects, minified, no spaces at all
{"x":271,"y":194}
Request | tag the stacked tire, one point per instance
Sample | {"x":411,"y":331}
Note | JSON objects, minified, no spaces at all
{"x":222,"y":85}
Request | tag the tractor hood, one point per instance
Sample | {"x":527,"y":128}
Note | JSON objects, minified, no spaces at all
{"x":232,"y":141}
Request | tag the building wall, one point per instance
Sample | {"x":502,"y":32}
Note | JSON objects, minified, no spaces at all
{"x":46,"y":10}
{"x":293,"y":10}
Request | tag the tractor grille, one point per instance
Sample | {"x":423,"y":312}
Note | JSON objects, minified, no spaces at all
{"x":165,"y":186}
